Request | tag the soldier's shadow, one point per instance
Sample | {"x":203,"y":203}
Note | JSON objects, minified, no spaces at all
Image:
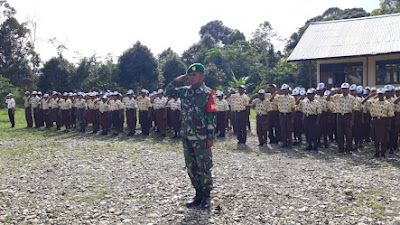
{"x":196,"y":214}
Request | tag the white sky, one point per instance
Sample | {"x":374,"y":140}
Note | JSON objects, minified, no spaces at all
{"x":101,"y":27}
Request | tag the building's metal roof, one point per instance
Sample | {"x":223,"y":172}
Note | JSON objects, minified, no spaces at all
{"x":364,"y":36}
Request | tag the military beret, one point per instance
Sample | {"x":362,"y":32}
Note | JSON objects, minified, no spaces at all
{"x":196,"y":67}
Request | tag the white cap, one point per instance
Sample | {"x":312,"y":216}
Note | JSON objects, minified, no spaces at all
{"x":311,"y":91}
{"x":105,"y":96}
{"x":373,"y":89}
{"x":327,"y":92}
{"x":27,"y":92}
{"x":261,"y":91}
{"x":302,"y":89}
{"x":320,"y":86}
{"x":353,"y":87}
{"x":302,"y":92}
{"x":285,"y":87}
{"x":242,"y":86}
{"x":54,"y":93}
{"x":381,"y":91}
{"x":10,"y":94}
{"x":65,"y":94}
{"x":397,"y":88}
{"x":388,"y":87}
{"x":160,"y":91}
{"x":144,"y":90}
{"x":39,"y":93}
{"x":130,"y":92}
{"x":365,"y":92}
{"x":34,"y":92}
{"x":46,"y":95}
{"x":219,"y":93}
{"x":359,"y":88}
{"x":368,"y":87}
{"x":345,"y":85}
{"x":296,"y":92}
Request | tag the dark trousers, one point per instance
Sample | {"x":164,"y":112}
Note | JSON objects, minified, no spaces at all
{"x":11,"y":117}
{"x":343,"y":129}
{"x":116,"y":120}
{"x":241,"y":123}
{"x":312,"y":129}
{"x":41,"y":117}
{"x":56,"y":117}
{"x":233,"y":121}
{"x":47,"y":118}
{"x":262,"y":128}
{"x":94,"y":118}
{"x":176,"y":121}
{"x":274,"y":130}
{"x":145,"y":122}
{"x":36,"y":117}
{"x":298,"y":127}
{"x":222,"y":121}
{"x":381,"y":128}
{"x":131,"y":119}
{"x":105,"y":120}
{"x":28,"y":116}
{"x":66,"y":118}
{"x":161,"y":120}
{"x":324,"y":126}
{"x":357,"y":129}
{"x":286,"y":127}
{"x":366,"y":127}
{"x":392,"y":133}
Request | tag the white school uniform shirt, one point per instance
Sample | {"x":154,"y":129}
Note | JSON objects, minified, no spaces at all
{"x":10,"y":103}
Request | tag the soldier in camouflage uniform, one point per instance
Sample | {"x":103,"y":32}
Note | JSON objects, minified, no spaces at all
{"x":198,"y":115}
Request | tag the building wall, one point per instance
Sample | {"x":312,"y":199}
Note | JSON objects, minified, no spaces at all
{"x":369,"y":66}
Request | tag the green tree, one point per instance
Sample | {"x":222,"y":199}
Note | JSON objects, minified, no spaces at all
{"x":137,"y":68}
{"x":17,"y":54}
{"x":235,"y":36}
{"x":214,"y":76}
{"x":170,"y":65}
{"x":217,"y":30}
{"x":56,"y":74}
{"x":387,"y":7}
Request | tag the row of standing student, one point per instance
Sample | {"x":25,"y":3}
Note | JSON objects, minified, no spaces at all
{"x":105,"y":111}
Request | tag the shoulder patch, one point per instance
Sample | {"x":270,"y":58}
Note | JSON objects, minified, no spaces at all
{"x":211,"y":106}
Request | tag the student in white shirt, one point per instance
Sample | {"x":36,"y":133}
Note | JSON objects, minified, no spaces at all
{"x":11,"y":108}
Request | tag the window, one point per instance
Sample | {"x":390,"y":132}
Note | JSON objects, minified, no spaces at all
{"x":388,"y":72}
{"x":339,"y":73}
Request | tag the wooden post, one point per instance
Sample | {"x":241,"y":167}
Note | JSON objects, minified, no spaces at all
{"x":310,"y":74}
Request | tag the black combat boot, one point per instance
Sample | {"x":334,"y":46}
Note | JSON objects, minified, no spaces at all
{"x":196,"y":200}
{"x":206,"y":200}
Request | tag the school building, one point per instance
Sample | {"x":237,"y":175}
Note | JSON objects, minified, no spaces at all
{"x":363,"y":51}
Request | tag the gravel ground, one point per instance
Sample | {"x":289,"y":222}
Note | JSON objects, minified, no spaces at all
{"x":87,"y":179}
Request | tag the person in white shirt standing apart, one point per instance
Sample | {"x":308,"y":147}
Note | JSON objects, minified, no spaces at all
{"x":11,"y":108}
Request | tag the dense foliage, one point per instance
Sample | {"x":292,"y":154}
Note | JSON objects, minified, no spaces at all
{"x":226,"y":52}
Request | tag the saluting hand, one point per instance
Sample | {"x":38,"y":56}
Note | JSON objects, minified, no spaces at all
{"x":181,"y":78}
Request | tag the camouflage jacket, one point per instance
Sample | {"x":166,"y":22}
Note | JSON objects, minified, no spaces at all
{"x":198,"y":111}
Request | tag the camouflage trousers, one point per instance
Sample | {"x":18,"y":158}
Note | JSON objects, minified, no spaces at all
{"x":198,"y":159}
